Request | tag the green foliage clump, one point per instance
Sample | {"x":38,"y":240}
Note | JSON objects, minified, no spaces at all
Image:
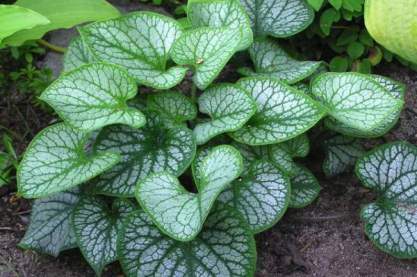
{"x":177,"y":176}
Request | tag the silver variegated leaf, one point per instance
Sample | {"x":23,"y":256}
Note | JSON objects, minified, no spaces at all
{"x":304,"y":188}
{"x":391,"y":222}
{"x":143,"y":151}
{"x":93,"y":96}
{"x":55,"y":161}
{"x":261,"y":195}
{"x":222,"y":13}
{"x":356,"y":101}
{"x":278,"y":18}
{"x":96,"y":227}
{"x":341,"y":154}
{"x":50,"y":229}
{"x":282,"y":112}
{"x":229,"y":107}
{"x":270,"y":60}
{"x":141,"y":42}
{"x":179,"y":213}
{"x":207,"y":50}
{"x":225,"y":247}
{"x":77,"y":54}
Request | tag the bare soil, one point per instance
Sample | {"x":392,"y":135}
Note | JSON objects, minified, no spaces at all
{"x":324,"y":239}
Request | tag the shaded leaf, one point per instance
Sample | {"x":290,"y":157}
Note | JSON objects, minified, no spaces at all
{"x":77,"y":54}
{"x":304,"y":188}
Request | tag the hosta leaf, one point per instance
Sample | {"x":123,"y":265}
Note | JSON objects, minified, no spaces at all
{"x":61,"y":14}
{"x":221,"y":13}
{"x":282,"y":112}
{"x":355,"y":100}
{"x":229,"y":108}
{"x":341,"y":154}
{"x":141,"y":42}
{"x":225,"y":247}
{"x":94,"y":96}
{"x":391,"y":222}
{"x":49,"y":230}
{"x":77,"y":55}
{"x":270,"y":60}
{"x":14,"y":18}
{"x":298,"y":147}
{"x":175,"y":108}
{"x":55,"y":161}
{"x":304,"y":188}
{"x":144,"y":151}
{"x":96,"y":226}
{"x":278,"y":18}
{"x":207,"y":50}
{"x":181,"y":214}
{"x":261,"y":195}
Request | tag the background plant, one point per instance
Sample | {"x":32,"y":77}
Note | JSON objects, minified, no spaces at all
{"x":205,"y":180}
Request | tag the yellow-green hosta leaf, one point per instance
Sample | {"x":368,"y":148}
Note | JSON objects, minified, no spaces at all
{"x":207,"y":50}
{"x":77,"y":54}
{"x":174,"y":108}
{"x":304,"y":188}
{"x":96,"y":228}
{"x":56,"y":160}
{"x":14,"y":18}
{"x":391,"y":222}
{"x":270,"y":60}
{"x":341,"y":154}
{"x":61,"y":14}
{"x":396,"y":90}
{"x":229,"y":107}
{"x":278,"y":18}
{"x":144,"y":151}
{"x":261,"y":195}
{"x":393,"y":24}
{"x":355,"y":100}
{"x":221,"y":13}
{"x":282,"y":112}
{"x":225,"y":247}
{"x":50,"y":230}
{"x":93,"y":96}
{"x":141,"y":42}
{"x":179,"y":213}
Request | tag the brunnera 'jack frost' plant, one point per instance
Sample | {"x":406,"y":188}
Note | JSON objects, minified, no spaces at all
{"x":177,"y":182}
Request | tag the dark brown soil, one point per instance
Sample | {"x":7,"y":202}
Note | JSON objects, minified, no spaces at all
{"x":324,"y":239}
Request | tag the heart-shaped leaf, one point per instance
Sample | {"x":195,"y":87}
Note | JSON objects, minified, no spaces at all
{"x":96,"y":227}
{"x":262,"y":195}
{"x":221,"y":13}
{"x":50,"y":231}
{"x":94,"y":96}
{"x":174,"y":108}
{"x":207,"y":50}
{"x":396,"y":90}
{"x":282,"y":112}
{"x":278,"y":18}
{"x":55,"y":161}
{"x":225,"y":247}
{"x":181,"y":214}
{"x":341,"y":154}
{"x":229,"y":107}
{"x":270,"y":60}
{"x":77,"y":55}
{"x":356,"y":100}
{"x":391,"y":222}
{"x":304,"y":188}
{"x":140,"y":42}
{"x":298,"y":147}
{"x":144,"y":151}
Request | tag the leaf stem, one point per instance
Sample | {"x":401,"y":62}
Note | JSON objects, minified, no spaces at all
{"x":51,"y":46}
